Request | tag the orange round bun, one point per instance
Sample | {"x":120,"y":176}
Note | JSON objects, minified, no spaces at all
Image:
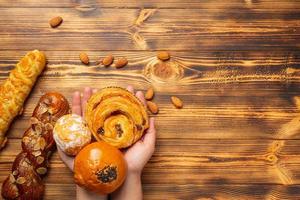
{"x":100,"y":167}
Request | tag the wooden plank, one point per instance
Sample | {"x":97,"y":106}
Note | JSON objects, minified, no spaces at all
{"x":237,"y":100}
{"x":150,"y":29}
{"x":226,"y":94}
{"x":220,"y":192}
{"x":206,"y":162}
{"x":192,"y":191}
{"x":204,"y":4}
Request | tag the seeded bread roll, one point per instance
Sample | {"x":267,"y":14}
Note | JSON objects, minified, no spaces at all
{"x":15,"y":89}
{"x":116,"y":116}
{"x":30,"y":165}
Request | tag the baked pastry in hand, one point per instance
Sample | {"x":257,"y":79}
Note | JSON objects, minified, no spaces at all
{"x":100,"y":167}
{"x":116,"y":116}
{"x":71,"y":134}
{"x":15,"y":89}
{"x":30,"y":165}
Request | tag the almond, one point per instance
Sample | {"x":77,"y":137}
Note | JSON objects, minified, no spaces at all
{"x":12,"y":178}
{"x":40,"y":159}
{"x":34,"y":120}
{"x":36,"y":153}
{"x":26,"y":140}
{"x":15,"y":173}
{"x":38,"y":128}
{"x":41,"y":170}
{"x":149,"y":94}
{"x":42,"y":143}
{"x":108,"y":60}
{"x":152,"y":107}
{"x":84,"y":58}
{"x":48,"y":127}
{"x":176,"y":102}
{"x":21,"y":180}
{"x":163,"y":55}
{"x":55,"y":21}
{"x":36,"y":146}
{"x":121,"y":62}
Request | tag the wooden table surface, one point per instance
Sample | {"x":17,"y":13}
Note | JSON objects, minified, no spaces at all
{"x":235,"y":64}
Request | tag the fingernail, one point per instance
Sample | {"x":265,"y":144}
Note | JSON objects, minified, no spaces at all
{"x":95,"y":90}
{"x":87,"y":88}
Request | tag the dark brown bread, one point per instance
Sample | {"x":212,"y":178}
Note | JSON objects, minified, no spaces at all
{"x":25,"y":181}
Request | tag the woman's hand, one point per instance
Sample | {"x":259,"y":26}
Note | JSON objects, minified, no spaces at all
{"x":78,"y":106}
{"x":137,"y":156}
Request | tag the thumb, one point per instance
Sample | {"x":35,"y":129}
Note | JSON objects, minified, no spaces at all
{"x":150,"y":136}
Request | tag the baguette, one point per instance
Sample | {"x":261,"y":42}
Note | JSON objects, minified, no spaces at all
{"x":30,"y":165}
{"x":16,"y":88}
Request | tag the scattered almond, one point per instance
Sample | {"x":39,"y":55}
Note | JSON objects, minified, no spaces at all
{"x":152,"y":107}
{"x":176,"y":102}
{"x":108,"y":60}
{"x":20,"y":180}
{"x":55,"y":21}
{"x":149,"y":94}
{"x":84,"y":58}
{"x":163,"y":55}
{"x":41,"y":170}
{"x":121,"y":62}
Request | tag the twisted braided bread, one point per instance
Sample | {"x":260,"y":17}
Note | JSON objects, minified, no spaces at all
{"x":25,"y":180}
{"x":15,"y":89}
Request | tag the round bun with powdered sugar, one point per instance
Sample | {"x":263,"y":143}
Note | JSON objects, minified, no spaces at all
{"x":71,"y":134}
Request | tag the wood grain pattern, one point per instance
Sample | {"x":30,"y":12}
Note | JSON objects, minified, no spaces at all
{"x":251,"y":29}
{"x":205,"y":4}
{"x":235,"y":64}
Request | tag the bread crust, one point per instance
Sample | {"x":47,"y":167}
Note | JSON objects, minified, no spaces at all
{"x":16,"y":88}
{"x":116,"y":116}
{"x":30,"y":165}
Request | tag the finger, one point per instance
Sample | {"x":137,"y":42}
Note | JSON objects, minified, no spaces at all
{"x":87,"y":93}
{"x":76,"y":103}
{"x":150,"y":136}
{"x":69,"y":161}
{"x":141,"y":97}
{"x":130,"y":89}
{"x":95,"y":90}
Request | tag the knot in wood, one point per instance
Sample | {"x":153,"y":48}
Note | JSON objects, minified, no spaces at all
{"x":272,"y":158}
{"x":167,"y":71}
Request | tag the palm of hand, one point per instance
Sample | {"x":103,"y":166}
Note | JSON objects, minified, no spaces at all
{"x":138,"y":155}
